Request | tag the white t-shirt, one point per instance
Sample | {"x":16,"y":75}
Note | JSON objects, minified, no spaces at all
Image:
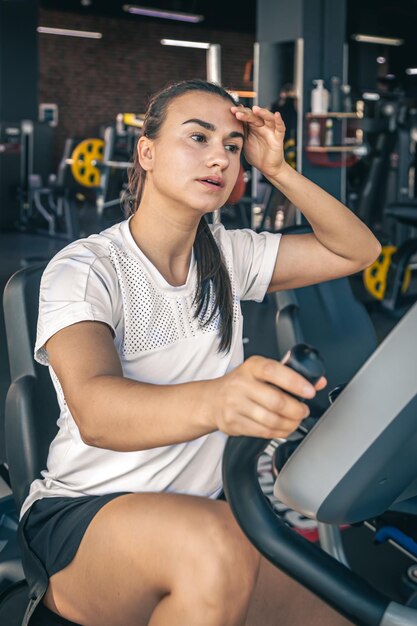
{"x":107,"y":278}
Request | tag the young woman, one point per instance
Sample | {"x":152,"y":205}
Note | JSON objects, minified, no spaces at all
{"x":142,"y":330}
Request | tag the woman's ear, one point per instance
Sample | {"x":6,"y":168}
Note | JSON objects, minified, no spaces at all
{"x":145,"y":153}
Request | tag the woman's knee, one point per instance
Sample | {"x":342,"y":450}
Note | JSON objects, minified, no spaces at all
{"x":224,"y":564}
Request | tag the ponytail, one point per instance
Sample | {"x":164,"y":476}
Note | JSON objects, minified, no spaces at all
{"x":213,"y":277}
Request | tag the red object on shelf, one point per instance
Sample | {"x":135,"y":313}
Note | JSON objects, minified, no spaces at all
{"x":239,"y":189}
{"x":322,"y":159}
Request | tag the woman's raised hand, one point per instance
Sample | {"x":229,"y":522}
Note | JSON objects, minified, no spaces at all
{"x":254,"y":400}
{"x":264,"y":138}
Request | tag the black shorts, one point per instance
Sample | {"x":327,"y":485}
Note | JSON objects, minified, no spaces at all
{"x":49,"y":535}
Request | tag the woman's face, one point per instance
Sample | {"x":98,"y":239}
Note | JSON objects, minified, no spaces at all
{"x":196,"y":157}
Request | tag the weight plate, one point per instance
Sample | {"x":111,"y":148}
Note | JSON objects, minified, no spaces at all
{"x":83,"y":156}
{"x":375,"y":276}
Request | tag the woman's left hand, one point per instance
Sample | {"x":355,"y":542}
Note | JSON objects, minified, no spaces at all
{"x":264,"y":138}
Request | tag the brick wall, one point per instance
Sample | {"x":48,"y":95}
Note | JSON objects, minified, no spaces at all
{"x":93,"y":80}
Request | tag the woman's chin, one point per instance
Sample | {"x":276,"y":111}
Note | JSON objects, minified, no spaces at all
{"x":210,"y":206}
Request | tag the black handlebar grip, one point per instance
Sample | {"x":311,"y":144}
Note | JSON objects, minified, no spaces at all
{"x":305,"y":360}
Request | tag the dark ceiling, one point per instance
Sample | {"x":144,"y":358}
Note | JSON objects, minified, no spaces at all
{"x":380,"y":17}
{"x":218,"y":14}
{"x":389,"y":18}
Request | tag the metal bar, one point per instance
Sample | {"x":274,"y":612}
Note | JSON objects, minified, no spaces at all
{"x":214,"y":75}
{"x":214,"y":72}
{"x":331,"y":542}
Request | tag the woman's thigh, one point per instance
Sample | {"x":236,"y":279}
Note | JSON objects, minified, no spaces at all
{"x":139,"y":548}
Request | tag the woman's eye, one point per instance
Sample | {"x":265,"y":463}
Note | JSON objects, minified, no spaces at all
{"x":232,"y":147}
{"x":198,"y":137}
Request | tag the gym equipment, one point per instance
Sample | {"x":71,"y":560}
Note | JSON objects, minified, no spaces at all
{"x":100,"y":166}
{"x":25,"y":149}
{"x":379,"y":127}
{"x":13,"y":604}
{"x":387,"y":202}
{"x":394,"y":298}
{"x":105,"y":192}
{"x":357,"y":461}
{"x":91,"y":157}
{"x":83,"y":162}
{"x":126,"y":121}
{"x":305,"y":360}
{"x":375,"y":276}
{"x":290,"y":152}
{"x":60,"y":213}
{"x":11,"y":569}
{"x":389,"y":277}
{"x":31,"y":203}
{"x":87,"y":162}
{"x":30,"y":412}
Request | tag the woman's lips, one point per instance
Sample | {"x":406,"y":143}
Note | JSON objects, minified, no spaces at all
{"x":212,"y":183}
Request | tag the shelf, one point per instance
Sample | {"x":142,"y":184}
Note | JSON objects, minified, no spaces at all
{"x":243,"y":94}
{"x":331,"y":148}
{"x":333,"y":114}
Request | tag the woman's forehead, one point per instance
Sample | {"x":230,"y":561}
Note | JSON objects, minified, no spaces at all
{"x":209,"y":107}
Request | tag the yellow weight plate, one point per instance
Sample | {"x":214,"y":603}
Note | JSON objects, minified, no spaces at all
{"x":290,"y":153}
{"x":375,"y":276}
{"x":82,"y":158}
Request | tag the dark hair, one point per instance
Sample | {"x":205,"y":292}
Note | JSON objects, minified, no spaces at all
{"x":213,"y":277}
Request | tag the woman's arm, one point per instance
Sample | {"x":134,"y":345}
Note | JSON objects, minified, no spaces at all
{"x":121,"y":414}
{"x":340,"y":244}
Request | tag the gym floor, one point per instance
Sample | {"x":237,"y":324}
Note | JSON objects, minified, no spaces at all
{"x":382,"y":565}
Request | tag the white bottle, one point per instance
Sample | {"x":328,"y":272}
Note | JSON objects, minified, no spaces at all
{"x":319,"y":97}
{"x":314,"y":133}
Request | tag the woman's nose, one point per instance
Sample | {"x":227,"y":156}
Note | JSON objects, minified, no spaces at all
{"x":218,"y":156}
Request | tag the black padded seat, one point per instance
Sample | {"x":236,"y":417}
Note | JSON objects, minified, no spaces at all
{"x":32,"y":410}
{"x":31,"y":415}
{"x":405,"y":213}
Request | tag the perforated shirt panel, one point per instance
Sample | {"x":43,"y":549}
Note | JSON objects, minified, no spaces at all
{"x":154,"y":318}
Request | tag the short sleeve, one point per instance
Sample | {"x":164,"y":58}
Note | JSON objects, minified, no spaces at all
{"x":253,"y":257}
{"x":74,"y":288}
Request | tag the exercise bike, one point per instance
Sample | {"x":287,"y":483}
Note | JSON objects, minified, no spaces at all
{"x":358,"y":461}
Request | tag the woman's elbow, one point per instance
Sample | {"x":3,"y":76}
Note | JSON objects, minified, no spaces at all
{"x":89,"y":437}
{"x":82,"y":418}
{"x":368,"y":255}
{"x":373,"y":252}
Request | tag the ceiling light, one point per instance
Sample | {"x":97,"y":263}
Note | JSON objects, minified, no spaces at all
{"x":185,"y":44}
{"x":163,"y":14}
{"x":371,"y":96}
{"x":411,"y":71}
{"x":388,"y":41}
{"x":381,"y":60}
{"x":45,"y":30}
